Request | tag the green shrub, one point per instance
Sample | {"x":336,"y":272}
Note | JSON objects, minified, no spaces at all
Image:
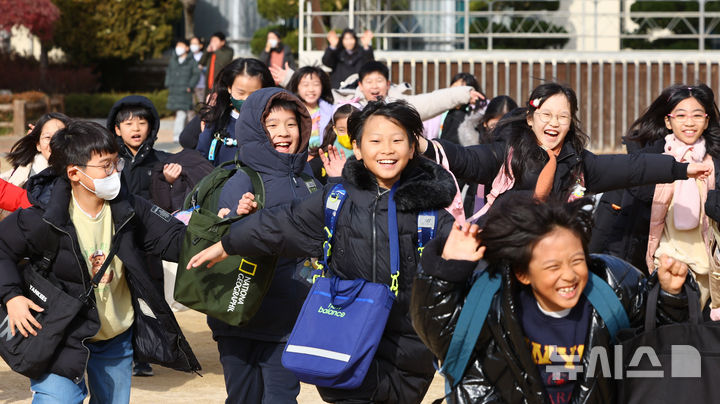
{"x":98,"y":105}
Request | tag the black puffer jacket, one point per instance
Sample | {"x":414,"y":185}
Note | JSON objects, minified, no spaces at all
{"x":601,"y":173}
{"x":501,"y":368}
{"x":138,"y":168}
{"x":403,"y":368}
{"x":139,"y":227}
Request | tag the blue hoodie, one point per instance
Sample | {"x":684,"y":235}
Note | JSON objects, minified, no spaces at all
{"x":280,"y":173}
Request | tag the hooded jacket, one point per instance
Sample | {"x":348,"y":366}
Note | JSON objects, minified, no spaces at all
{"x":139,"y":227}
{"x":403,"y":366}
{"x":138,"y":168}
{"x":280,"y":173}
{"x":501,"y":368}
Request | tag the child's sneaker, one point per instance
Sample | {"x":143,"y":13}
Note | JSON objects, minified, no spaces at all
{"x":142,"y":369}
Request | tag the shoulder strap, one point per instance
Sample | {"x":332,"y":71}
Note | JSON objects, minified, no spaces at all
{"x":49,"y":252}
{"x":426,"y":223}
{"x":716,"y":164}
{"x":257,"y":184}
{"x":605,"y":301}
{"x":468,"y":327}
{"x":394,"y":239}
{"x":309,"y":182}
{"x":333,"y":203}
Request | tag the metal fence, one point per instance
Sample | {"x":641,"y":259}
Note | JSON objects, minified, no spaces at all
{"x":613,"y":89}
{"x":495,"y":24}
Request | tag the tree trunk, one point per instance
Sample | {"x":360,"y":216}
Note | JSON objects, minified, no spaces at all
{"x":189,"y":14}
{"x":317,"y":27}
{"x":44,"y":49}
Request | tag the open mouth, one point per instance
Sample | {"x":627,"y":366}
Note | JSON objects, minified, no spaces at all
{"x":375,"y":94}
{"x":136,"y":138}
{"x":551,"y":132}
{"x":387,"y":163}
{"x":282,"y":147}
{"x":568,"y":292}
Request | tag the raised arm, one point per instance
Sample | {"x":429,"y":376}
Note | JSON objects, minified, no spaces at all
{"x":479,"y":163}
{"x":617,"y":171}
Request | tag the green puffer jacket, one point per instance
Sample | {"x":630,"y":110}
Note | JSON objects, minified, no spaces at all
{"x":179,"y":78}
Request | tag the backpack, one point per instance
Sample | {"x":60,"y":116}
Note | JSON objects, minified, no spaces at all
{"x":477,"y":305}
{"x":231,"y":290}
{"x":341,"y":322}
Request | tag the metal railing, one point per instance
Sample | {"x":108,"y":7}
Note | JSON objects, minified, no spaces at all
{"x":502,"y":24}
{"x":613,"y":88}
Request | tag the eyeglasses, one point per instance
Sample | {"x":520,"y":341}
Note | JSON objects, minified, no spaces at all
{"x":110,"y":166}
{"x":546,"y":117}
{"x":681,"y":118}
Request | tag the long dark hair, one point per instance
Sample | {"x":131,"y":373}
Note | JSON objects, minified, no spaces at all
{"x":217,"y":115}
{"x":498,"y":106}
{"x":527,"y":154}
{"x":519,"y":222}
{"x":651,"y":125}
{"x":351,"y":32}
{"x":326,"y":93}
{"x":24,"y":150}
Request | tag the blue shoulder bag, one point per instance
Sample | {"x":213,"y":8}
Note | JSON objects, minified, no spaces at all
{"x":341,"y":322}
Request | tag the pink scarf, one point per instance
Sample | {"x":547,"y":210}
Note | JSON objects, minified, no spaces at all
{"x":686,"y":194}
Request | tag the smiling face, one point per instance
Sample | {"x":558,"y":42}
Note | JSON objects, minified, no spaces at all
{"x":310,"y":89}
{"x":557,"y":272}
{"x":385,"y":149}
{"x":695,"y":120}
{"x":133,"y":131}
{"x":556,"y":111}
{"x":48,"y":130}
{"x":283,"y":130}
{"x":374,"y":86}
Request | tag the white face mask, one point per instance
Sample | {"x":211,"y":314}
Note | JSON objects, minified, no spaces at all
{"x":105,"y":188}
{"x":273,"y":43}
{"x":194,"y":48}
{"x":179,"y":50}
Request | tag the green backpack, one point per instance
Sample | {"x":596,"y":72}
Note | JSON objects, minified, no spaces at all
{"x":233,"y":289}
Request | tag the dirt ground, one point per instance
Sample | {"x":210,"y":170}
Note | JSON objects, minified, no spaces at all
{"x":167,"y":385}
{"x":177,"y":387}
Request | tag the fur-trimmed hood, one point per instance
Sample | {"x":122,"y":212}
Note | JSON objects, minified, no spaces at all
{"x":424,"y":184}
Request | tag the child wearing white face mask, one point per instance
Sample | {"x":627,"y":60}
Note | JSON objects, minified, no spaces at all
{"x":181,"y":77}
{"x":277,"y":54}
{"x":101,"y":233}
{"x":196,"y":50}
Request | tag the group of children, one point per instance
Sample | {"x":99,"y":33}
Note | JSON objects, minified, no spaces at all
{"x":531,"y":169}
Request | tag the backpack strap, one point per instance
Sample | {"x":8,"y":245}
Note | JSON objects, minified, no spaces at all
{"x":333,"y":203}
{"x":309,"y":182}
{"x":605,"y":301}
{"x":468,"y":327}
{"x":257,"y":184}
{"x":426,"y":224}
